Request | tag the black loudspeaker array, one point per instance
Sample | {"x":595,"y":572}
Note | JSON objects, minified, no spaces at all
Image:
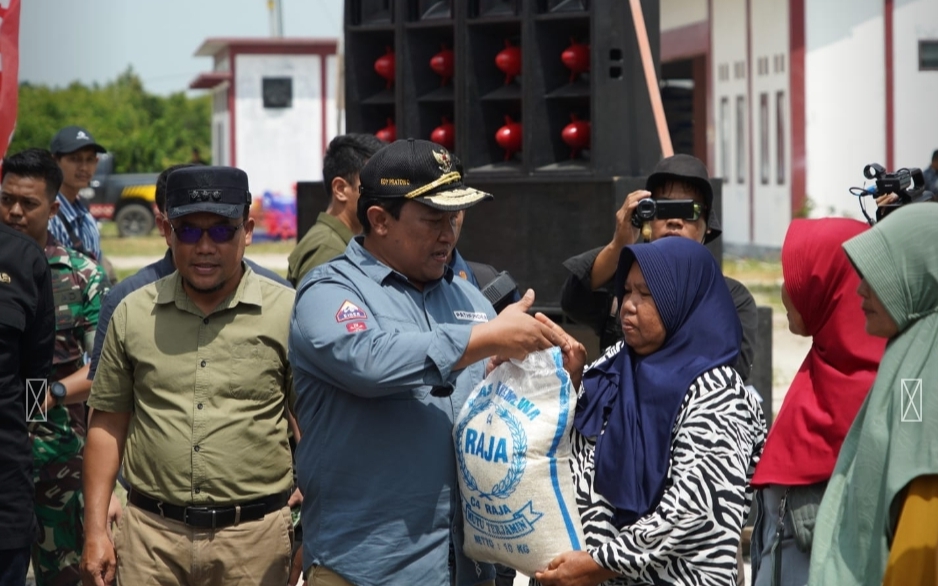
{"x":518,"y":89}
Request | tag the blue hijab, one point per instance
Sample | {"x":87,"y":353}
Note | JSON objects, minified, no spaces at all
{"x":638,"y":397}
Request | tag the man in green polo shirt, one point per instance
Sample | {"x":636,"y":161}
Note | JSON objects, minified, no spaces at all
{"x":329,"y":236}
{"x":192,"y":391}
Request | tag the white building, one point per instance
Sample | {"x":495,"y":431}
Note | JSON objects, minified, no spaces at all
{"x":274,"y":112}
{"x":799,"y":95}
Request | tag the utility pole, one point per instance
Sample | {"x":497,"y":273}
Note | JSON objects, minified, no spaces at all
{"x":276,"y":18}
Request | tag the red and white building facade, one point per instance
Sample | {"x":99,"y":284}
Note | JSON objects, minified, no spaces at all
{"x":799,"y":95}
{"x":274,"y":110}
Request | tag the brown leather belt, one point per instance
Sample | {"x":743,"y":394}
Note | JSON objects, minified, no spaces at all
{"x":210,"y":517}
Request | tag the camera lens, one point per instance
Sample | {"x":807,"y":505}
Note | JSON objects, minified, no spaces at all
{"x":646,"y":210}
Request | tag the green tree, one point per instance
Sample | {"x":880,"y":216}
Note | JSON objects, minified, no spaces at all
{"x":145,"y":132}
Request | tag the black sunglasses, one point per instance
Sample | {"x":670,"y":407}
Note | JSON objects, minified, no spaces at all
{"x":219,"y":234}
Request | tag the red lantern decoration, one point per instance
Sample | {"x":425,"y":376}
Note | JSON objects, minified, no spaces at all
{"x":509,"y":137}
{"x":508,"y":61}
{"x":576,"y":135}
{"x":442,"y":65}
{"x":444,"y":134}
{"x":577,"y":58}
{"x":388,"y":133}
{"x":384,"y":66}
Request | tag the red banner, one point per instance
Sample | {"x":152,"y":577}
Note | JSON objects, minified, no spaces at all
{"x":9,"y":69}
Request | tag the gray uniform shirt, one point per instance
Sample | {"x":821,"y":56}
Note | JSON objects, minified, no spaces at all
{"x":371,"y":354}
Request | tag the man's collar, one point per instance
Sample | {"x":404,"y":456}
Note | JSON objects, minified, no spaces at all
{"x":171,"y":290}
{"x":337,"y":225}
{"x":55,"y":250}
{"x":74,"y":204}
{"x":374,"y":268}
{"x":166,"y":263}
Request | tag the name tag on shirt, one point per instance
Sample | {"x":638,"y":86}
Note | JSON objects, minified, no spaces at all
{"x":476,"y":316}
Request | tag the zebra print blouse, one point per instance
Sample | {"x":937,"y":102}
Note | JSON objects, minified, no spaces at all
{"x":692,"y":536}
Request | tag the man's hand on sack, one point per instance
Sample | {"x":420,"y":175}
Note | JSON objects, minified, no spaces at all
{"x":574,"y":353}
{"x":574,"y":568}
{"x":515,"y":334}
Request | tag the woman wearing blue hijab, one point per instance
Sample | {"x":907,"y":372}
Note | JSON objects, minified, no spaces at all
{"x":666,"y":437}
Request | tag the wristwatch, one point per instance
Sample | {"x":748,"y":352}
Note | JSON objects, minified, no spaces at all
{"x":58,"y":392}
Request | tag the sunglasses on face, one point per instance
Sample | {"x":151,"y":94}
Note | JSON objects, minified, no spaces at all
{"x":219,"y":234}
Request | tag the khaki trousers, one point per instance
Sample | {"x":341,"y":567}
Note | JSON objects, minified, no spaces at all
{"x":152,"y":550}
{"x":320,"y":576}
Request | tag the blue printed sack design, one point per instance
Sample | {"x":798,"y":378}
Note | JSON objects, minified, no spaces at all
{"x":512,"y":441}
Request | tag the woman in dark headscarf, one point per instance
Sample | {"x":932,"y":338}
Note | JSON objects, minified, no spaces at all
{"x":666,"y":437}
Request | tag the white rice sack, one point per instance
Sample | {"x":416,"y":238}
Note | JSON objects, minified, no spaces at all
{"x":512,"y":442}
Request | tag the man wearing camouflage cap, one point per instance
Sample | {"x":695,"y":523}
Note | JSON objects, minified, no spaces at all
{"x":31,"y":180}
{"x":194,"y":381}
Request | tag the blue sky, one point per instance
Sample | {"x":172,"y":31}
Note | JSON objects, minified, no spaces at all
{"x":95,"y":40}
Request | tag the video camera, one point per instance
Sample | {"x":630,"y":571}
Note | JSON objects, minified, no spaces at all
{"x":665,"y":209}
{"x":907,"y":184}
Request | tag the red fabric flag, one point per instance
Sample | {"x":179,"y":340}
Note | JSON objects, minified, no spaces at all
{"x":9,"y":69}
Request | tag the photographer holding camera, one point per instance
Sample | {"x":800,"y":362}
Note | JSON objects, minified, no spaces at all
{"x":683,"y":206}
{"x":893,"y":190}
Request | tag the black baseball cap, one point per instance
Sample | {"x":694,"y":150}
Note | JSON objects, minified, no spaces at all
{"x":217,"y":190}
{"x":690,"y":170}
{"x":73,"y":138}
{"x":419,"y":170}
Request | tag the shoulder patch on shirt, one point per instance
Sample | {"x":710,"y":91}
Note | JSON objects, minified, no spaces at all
{"x":356,"y":326}
{"x":348,"y":312}
{"x":471,"y":316}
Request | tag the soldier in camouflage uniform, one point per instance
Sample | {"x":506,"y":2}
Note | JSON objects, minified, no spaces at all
{"x":30,"y":181}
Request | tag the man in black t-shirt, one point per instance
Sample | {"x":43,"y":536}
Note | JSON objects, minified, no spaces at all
{"x":587,"y":295}
{"x":27,"y":337}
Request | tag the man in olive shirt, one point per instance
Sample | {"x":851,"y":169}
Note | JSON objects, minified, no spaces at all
{"x":329,"y":236}
{"x":192,"y":390}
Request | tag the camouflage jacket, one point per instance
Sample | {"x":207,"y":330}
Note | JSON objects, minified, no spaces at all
{"x":78,"y":287}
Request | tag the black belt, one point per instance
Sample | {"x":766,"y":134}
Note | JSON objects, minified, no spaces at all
{"x":210,"y":517}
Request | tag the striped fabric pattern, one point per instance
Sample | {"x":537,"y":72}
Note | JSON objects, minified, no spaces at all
{"x":692,"y":536}
{"x":83,"y":225}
